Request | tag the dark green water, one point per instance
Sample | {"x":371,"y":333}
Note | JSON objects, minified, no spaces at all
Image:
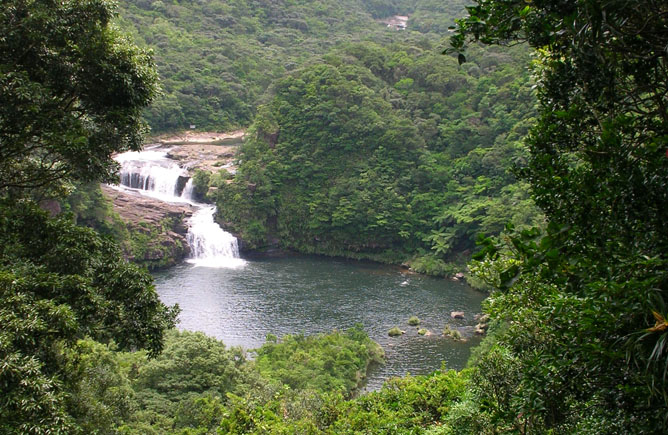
{"x":309,"y":294}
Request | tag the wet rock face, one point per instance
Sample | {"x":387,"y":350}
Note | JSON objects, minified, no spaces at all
{"x":181,"y":184}
{"x":157,"y":229}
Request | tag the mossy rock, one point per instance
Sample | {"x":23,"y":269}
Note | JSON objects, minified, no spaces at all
{"x":395,"y":332}
{"x":452,"y":333}
{"x":424,"y":331}
{"x":414,"y":321}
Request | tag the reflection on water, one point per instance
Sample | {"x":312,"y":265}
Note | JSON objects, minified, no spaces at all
{"x":310,"y":295}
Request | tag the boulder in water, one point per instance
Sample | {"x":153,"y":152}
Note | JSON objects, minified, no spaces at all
{"x":395,"y":332}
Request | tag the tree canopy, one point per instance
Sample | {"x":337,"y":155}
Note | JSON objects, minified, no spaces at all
{"x":391,"y":153}
{"x":586,"y":301}
{"x":217,"y":58}
{"x":60,"y":283}
{"x":73,"y":92}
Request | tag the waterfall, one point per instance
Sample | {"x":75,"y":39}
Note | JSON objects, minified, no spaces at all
{"x":188,"y":190}
{"x":210,"y":245}
{"x":153,"y":174}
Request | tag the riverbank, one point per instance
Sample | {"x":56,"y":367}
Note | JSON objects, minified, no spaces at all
{"x":454,"y":271}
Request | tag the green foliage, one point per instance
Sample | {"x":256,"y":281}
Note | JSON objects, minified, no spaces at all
{"x":335,"y":362}
{"x":403,"y":405}
{"x":150,"y":245}
{"x":191,"y":365}
{"x":413,"y":321}
{"x":60,"y":283}
{"x":381,"y":152}
{"x":29,"y":344}
{"x":73,"y":89}
{"x":394,"y":332}
{"x":448,"y":331}
{"x":217,"y":58}
{"x":101,"y":397}
{"x":430,"y":264}
{"x":197,"y":385}
{"x":111,"y":298}
{"x":90,"y":208}
{"x":147,"y":244}
{"x":585,"y":299}
{"x":201,"y":181}
{"x":340,"y":162}
{"x":384,"y":152}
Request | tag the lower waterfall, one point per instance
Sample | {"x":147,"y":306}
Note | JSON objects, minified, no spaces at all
{"x":153,"y":174}
{"x":210,"y":245}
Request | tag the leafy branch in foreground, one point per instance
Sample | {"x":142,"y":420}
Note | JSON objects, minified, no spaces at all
{"x":581,"y":299}
{"x":73,"y":90}
{"x":60,"y":283}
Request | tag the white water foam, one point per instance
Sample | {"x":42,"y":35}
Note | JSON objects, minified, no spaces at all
{"x":210,"y":245}
{"x":153,"y":174}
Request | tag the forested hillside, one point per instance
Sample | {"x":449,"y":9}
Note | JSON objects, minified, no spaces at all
{"x":217,"y":58}
{"x":393,"y":153}
{"x":365,"y":141}
{"x":362,"y":141}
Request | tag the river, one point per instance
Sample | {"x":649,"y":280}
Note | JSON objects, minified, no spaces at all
{"x":293,"y":294}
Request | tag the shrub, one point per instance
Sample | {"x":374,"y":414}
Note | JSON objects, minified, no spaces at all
{"x":452,"y":333}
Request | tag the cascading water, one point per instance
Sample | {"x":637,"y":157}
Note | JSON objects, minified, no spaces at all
{"x":210,"y":245}
{"x":153,"y":174}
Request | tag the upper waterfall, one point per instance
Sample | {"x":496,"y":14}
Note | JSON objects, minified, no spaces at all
{"x":152,"y":173}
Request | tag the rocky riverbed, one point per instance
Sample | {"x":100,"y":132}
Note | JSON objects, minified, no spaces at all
{"x":206,"y":151}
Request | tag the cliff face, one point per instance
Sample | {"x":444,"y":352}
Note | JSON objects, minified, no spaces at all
{"x":157,"y":230}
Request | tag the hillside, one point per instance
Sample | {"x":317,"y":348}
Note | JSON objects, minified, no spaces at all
{"x":404,"y":158}
{"x":391,"y":153}
{"x":217,"y":59}
{"x":362,"y":141}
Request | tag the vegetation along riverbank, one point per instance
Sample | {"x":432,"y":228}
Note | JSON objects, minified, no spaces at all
{"x":370,"y":130}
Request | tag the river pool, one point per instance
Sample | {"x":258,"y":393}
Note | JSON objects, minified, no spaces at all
{"x":293,"y":294}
